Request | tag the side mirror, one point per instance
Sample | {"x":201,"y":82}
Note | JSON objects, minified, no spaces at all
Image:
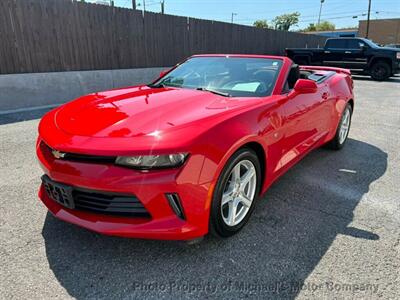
{"x":305,"y":86}
{"x":364,"y":47}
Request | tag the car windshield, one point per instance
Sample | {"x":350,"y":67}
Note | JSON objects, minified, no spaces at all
{"x":226,"y":76}
{"x":371,"y":43}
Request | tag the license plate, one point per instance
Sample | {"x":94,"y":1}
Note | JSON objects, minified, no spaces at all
{"x":58,"y":192}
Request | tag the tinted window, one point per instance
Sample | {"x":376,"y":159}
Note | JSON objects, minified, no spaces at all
{"x":236,"y":76}
{"x":355,"y":44}
{"x":336,"y":44}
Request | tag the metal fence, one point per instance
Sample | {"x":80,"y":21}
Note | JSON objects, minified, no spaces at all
{"x":62,"y":35}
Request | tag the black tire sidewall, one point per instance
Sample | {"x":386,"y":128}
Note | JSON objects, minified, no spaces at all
{"x":217,"y":224}
{"x":380,"y":65}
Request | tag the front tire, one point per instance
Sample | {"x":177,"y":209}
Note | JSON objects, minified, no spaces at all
{"x":342,"y":130}
{"x":380,"y":71}
{"x":235,"y":193}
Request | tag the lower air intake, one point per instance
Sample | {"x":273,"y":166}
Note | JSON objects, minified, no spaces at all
{"x":175,"y":203}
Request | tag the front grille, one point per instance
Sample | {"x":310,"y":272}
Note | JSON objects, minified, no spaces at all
{"x":89,"y":158}
{"x":94,"y":201}
{"x":79,"y":157}
{"x":112,"y":204}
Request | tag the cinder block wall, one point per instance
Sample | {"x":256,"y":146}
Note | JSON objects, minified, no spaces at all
{"x":37,"y":89}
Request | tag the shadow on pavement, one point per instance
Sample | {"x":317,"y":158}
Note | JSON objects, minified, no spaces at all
{"x":288,"y":234}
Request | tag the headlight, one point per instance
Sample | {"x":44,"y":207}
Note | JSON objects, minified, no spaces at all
{"x":152,"y":161}
{"x":398,"y":55}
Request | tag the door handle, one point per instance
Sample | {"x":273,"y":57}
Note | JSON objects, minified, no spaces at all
{"x":325,"y":96}
{"x":347,"y":52}
{"x":327,"y":51}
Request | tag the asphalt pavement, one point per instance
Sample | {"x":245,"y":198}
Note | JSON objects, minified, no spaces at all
{"x":329,"y":228}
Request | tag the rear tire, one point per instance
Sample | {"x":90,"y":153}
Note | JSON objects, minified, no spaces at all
{"x":238,"y":186}
{"x":342,"y":130}
{"x":380,"y":71}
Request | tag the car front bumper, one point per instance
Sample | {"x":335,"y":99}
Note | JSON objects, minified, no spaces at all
{"x":396,"y":67}
{"x":149,"y":187}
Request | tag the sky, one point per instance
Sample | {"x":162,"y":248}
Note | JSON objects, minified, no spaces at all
{"x":340,"y":12}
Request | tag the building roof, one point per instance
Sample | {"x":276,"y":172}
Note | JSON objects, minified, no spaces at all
{"x":335,"y":30}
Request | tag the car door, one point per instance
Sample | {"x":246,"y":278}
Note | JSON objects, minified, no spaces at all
{"x":305,"y":123}
{"x":333,"y":52}
{"x":354,"y":56}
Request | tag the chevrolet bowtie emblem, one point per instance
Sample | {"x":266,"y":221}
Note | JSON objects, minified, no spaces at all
{"x":57,"y":154}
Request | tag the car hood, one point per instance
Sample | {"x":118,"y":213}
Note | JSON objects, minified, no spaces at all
{"x":140,"y":111}
{"x":391,"y":49}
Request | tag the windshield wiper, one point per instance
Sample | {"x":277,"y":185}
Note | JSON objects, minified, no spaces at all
{"x":213,"y":91}
{"x":160,"y":85}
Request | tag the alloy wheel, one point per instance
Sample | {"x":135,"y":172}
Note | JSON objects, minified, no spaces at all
{"x":239,"y":192}
{"x":344,"y":126}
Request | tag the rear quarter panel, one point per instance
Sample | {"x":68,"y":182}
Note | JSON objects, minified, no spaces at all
{"x":341,"y":89}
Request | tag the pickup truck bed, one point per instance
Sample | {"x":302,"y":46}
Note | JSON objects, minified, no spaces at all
{"x":359,"y":55}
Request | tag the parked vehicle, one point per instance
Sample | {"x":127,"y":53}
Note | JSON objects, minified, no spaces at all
{"x":392,"y":46}
{"x":190,"y":153}
{"x":360,"y":55}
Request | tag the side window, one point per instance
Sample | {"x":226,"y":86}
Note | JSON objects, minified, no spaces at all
{"x":336,"y":44}
{"x":355,"y":44}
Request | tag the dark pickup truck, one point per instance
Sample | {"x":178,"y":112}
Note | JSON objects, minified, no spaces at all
{"x":360,"y":55}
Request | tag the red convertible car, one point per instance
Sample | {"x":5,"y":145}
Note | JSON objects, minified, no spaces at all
{"x":191,"y":152}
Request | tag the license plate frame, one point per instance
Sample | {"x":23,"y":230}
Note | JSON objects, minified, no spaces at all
{"x":58,"y":192}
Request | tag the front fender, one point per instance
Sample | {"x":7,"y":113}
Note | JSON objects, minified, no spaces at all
{"x":223,"y":140}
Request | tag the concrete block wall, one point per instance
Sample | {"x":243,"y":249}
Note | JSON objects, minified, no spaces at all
{"x":30,"y":90}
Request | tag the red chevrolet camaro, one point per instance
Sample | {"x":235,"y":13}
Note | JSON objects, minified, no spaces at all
{"x":191,"y":152}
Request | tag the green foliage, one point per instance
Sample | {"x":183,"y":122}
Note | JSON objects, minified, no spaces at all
{"x":310,"y":27}
{"x":285,"y":21}
{"x":261,"y":24}
{"x":323,"y":26}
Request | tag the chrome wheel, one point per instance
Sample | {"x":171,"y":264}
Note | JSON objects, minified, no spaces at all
{"x":344,"y":126}
{"x":239,"y":192}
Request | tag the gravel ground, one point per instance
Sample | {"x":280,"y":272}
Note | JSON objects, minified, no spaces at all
{"x":329,"y":228}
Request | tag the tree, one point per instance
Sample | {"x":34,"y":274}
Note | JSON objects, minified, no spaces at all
{"x":284,"y":22}
{"x":323,"y":26}
{"x":261,"y":24}
{"x":310,"y":27}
